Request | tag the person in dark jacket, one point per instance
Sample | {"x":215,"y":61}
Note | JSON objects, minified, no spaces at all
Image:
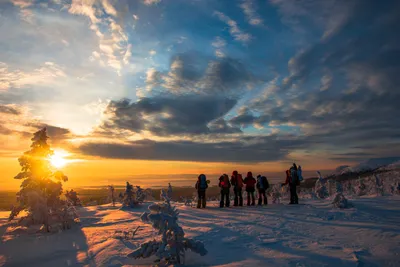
{"x":262,"y":187}
{"x":250,"y":183}
{"x":293,"y":181}
{"x":225,"y":186}
{"x":201,"y":187}
{"x":237,"y":183}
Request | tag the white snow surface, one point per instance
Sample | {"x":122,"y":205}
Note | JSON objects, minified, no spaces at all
{"x":314,"y":234}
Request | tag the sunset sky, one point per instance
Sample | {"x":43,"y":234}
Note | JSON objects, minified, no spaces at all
{"x":142,"y":90}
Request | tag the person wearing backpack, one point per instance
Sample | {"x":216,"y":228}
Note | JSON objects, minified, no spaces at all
{"x":225,"y":186}
{"x":201,"y":187}
{"x":250,"y":183}
{"x":262,"y":186}
{"x":237,"y":182}
{"x":293,"y":180}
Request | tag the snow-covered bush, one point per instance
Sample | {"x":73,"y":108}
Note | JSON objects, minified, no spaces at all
{"x":41,"y":187}
{"x":72,"y":197}
{"x":341,"y":202}
{"x":170,"y":250}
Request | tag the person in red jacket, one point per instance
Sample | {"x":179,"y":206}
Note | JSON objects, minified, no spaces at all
{"x":237,"y":183}
{"x":250,"y":183}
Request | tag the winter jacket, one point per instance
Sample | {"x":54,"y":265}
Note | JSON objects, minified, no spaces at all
{"x":262,"y":183}
{"x":250,"y":182}
{"x":237,"y":180}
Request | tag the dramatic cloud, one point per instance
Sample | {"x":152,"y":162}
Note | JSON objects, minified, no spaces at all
{"x":192,"y":73}
{"x":322,"y":80}
{"x":165,"y":116}
{"x":255,"y":149}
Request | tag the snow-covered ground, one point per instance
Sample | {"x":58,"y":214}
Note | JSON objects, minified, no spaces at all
{"x":314,"y":234}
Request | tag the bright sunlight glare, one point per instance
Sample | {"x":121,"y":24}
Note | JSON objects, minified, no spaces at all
{"x":58,"y":158}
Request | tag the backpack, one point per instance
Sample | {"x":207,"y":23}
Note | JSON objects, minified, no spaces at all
{"x":225,"y":182}
{"x":260,"y":182}
{"x":265,"y":181}
{"x":202,"y":182}
{"x":299,"y":175}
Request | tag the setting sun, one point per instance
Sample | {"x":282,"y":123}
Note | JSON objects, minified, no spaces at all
{"x":58,"y":158}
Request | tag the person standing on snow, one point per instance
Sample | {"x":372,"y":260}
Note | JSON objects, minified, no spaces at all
{"x":201,"y":187}
{"x":237,"y":182}
{"x":250,"y":183}
{"x":262,"y":186}
{"x":225,"y":186}
{"x":293,"y":180}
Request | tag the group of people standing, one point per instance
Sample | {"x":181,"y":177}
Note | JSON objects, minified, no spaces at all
{"x":250,"y":184}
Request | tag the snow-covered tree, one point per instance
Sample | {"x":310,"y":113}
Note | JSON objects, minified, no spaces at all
{"x":129,"y":196}
{"x":320,"y":187}
{"x":340,"y":200}
{"x":111,"y":194}
{"x":331,"y":187}
{"x":169,"y":191}
{"x":361,"y":188}
{"x":170,"y":250}
{"x":140,"y":194}
{"x":350,"y":190}
{"x":41,"y":187}
{"x":339,"y":187}
{"x":72,"y":197}
{"x":379,"y":188}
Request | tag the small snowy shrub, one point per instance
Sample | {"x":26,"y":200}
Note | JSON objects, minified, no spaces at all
{"x":341,"y":202}
{"x":134,"y":196}
{"x":170,"y":250}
